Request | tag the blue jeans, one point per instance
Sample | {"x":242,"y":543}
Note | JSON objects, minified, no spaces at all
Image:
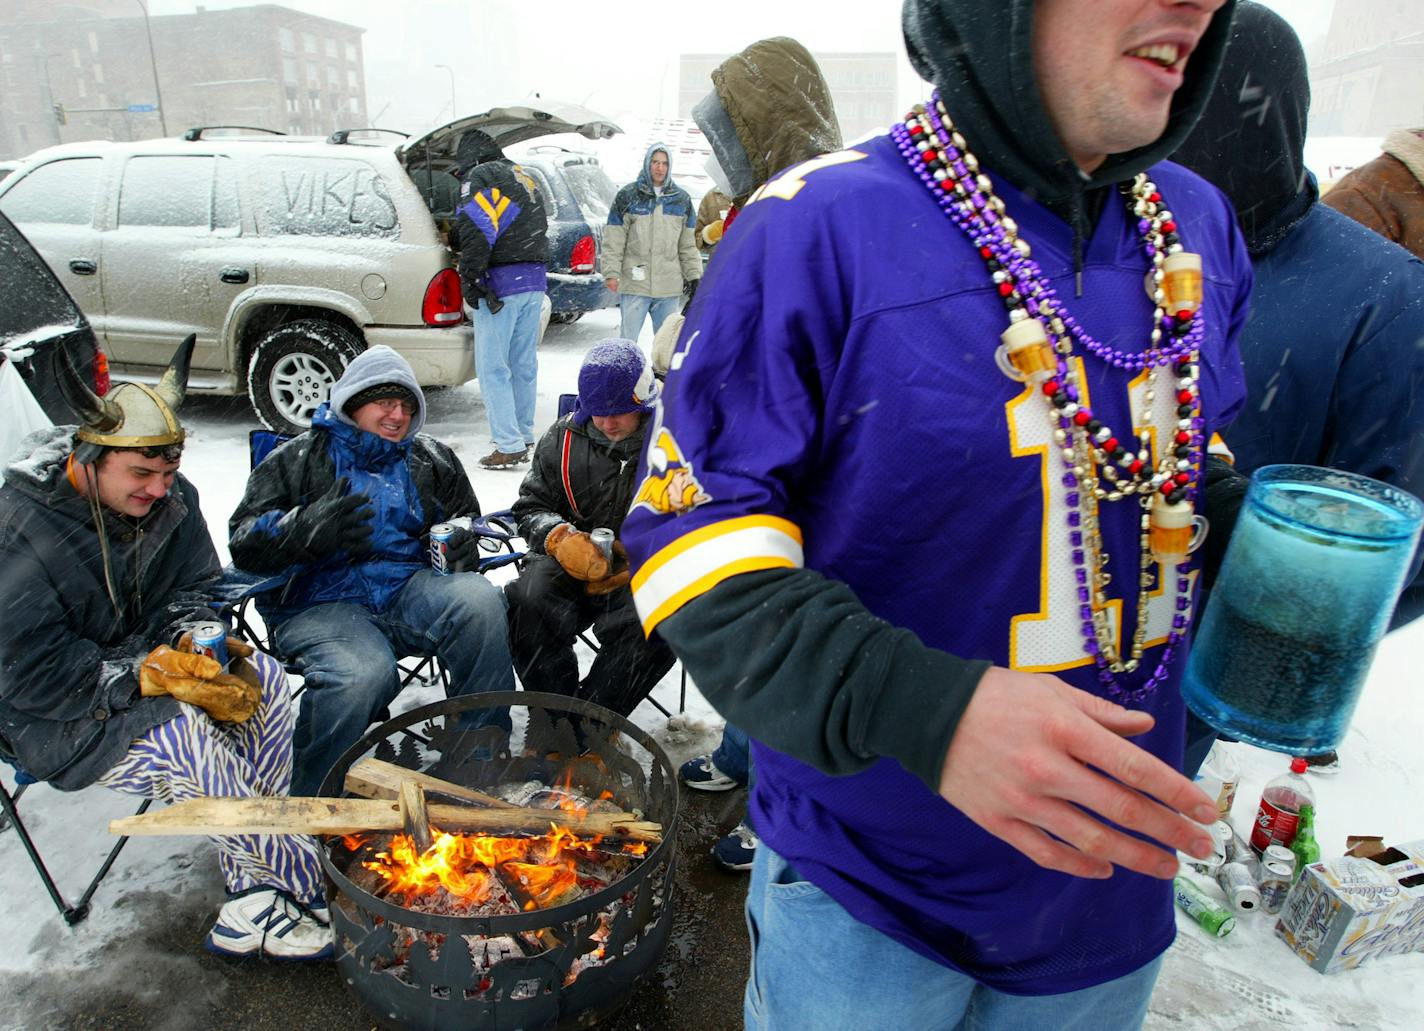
{"x":632,"y":308}
{"x":347,"y":655}
{"x":507,"y":365}
{"x":813,"y":966}
{"x":733,"y":755}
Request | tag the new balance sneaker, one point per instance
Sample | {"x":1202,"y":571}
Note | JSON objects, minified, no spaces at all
{"x":702,"y":773}
{"x":498,"y":459}
{"x":1326,"y":764}
{"x":271,"y":923}
{"x":735,"y":851}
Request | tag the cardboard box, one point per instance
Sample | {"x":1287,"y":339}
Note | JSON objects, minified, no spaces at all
{"x":1367,"y":903}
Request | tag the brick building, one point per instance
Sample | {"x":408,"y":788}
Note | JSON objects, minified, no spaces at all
{"x":265,"y":66}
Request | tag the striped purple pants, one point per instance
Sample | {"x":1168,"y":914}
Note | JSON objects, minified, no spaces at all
{"x":194,"y":756}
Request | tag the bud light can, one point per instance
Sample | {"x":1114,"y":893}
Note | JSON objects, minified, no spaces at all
{"x":1275,"y":884}
{"x":1213,"y":917}
{"x":603,"y":539}
{"x":440,"y":535}
{"x":210,"y":639}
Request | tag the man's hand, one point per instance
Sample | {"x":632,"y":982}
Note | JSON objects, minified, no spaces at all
{"x":1028,"y":763}
{"x":617,"y":576}
{"x":462,"y":550}
{"x":576,"y":552}
{"x":689,"y":289}
{"x":239,"y":654}
{"x":200,"y":681}
{"x":611,"y":282}
{"x":336,"y":521}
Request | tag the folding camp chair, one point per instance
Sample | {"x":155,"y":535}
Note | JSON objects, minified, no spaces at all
{"x":74,"y":912}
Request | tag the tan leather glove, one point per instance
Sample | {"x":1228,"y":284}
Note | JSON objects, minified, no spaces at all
{"x":239,"y":654}
{"x":576,"y":552}
{"x":200,"y":681}
{"x":617,"y":577}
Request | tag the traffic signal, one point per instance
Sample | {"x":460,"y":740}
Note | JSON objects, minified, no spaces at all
{"x":61,"y":117}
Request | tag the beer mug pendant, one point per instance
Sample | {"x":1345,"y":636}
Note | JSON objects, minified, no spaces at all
{"x":1181,"y":284}
{"x":1025,"y":355}
{"x":1174,"y":531}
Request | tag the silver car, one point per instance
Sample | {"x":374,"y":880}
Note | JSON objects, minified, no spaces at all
{"x":287,"y":256}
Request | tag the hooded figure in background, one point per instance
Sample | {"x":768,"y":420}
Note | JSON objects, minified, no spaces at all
{"x":650,"y":256}
{"x":345,"y":510}
{"x":582,"y":480}
{"x":501,"y":233}
{"x":1337,"y":314}
{"x":769,"y":108}
{"x":908,"y":394}
{"x":108,"y":568}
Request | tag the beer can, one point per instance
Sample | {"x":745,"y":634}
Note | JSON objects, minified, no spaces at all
{"x":1211,"y":915}
{"x":603,"y":539}
{"x":210,"y":639}
{"x":1240,"y":887}
{"x":440,"y":535}
{"x":1275,"y":882}
{"x":1238,"y":849}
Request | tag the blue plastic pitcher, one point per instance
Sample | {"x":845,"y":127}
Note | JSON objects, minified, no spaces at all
{"x":1306,"y":590}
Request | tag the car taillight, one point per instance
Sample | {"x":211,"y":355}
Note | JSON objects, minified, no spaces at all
{"x":101,"y":373}
{"x":441,"y":306}
{"x":584,"y":256}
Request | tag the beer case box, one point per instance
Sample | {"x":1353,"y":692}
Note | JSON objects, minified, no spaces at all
{"x":1346,"y":910}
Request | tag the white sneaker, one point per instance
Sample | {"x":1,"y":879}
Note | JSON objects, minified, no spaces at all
{"x":272,"y":923}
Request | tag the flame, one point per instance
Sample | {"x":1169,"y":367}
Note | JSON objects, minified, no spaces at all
{"x":464,"y":865}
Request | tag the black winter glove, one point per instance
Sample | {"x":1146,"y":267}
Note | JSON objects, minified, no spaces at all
{"x":689,"y":289}
{"x":462,"y":550}
{"x":334,"y":522}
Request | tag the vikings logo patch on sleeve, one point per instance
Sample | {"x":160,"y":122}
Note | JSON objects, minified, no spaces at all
{"x":671,"y":486}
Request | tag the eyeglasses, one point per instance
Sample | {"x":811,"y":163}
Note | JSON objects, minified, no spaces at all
{"x":390,"y":404}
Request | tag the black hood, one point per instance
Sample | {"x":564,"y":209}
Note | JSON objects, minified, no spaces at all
{"x":979,"y":54}
{"x":476,"y":147}
{"x":1250,"y":141}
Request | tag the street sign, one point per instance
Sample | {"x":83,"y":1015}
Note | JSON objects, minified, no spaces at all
{"x":139,"y":109}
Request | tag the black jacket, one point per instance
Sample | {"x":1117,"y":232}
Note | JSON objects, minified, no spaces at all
{"x":600,"y":473}
{"x":500,"y":219}
{"x":70,"y":706}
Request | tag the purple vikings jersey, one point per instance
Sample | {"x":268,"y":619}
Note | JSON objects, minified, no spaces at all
{"x":834,"y":403}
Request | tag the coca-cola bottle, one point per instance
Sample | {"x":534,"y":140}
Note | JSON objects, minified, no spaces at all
{"x":1280,"y":808}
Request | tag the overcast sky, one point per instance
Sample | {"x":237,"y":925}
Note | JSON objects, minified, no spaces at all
{"x":616,"y":57}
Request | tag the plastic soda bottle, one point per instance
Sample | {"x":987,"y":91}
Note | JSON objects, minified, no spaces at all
{"x":1305,"y":847}
{"x":1210,"y":914}
{"x":1280,"y":808}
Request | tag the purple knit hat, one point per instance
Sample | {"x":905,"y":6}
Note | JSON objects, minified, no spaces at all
{"x":615,"y":378}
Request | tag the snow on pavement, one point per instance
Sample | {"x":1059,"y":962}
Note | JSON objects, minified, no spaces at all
{"x":1248,"y":981}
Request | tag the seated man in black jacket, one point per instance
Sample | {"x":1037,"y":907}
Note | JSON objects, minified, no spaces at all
{"x":582,"y":479}
{"x":347,"y":508}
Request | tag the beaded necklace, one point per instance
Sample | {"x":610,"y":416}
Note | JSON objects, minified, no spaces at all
{"x":1038,"y":349}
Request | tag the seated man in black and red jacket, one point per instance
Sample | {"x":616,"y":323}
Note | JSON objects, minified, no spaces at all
{"x":582,"y":479}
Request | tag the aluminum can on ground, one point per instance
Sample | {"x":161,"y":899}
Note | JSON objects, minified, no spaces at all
{"x":440,"y":535}
{"x":210,"y":639}
{"x":1201,"y":907}
{"x":1240,"y":887}
{"x":1277,"y":854}
{"x":1275,"y":880}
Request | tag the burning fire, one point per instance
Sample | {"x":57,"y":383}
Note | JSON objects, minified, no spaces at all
{"x":541,"y":870}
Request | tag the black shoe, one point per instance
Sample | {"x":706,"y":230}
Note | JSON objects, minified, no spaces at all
{"x":1327,"y":764}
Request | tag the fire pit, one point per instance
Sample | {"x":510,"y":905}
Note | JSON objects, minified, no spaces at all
{"x":538,"y":889}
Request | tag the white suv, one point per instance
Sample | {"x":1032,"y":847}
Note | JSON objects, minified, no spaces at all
{"x":287,"y":256}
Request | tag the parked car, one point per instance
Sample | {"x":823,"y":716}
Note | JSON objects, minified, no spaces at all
{"x":287,"y":256}
{"x":38,"y":320}
{"x":575,"y":191}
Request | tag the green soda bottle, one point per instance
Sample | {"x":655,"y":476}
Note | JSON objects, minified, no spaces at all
{"x":1305,"y":847}
{"x":1211,"y":915}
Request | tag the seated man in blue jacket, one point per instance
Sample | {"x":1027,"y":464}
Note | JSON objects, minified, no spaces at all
{"x":347,"y":507}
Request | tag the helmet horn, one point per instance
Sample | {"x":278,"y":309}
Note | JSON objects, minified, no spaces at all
{"x":173,"y":387}
{"x":95,"y":412}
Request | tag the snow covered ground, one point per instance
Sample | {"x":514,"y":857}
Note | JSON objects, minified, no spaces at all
{"x":1249,"y":981}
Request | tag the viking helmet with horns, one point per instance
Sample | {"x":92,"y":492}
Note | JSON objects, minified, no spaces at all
{"x":132,"y":415}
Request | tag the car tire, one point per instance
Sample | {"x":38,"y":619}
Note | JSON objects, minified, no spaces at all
{"x":565,"y":318}
{"x":292,"y":370}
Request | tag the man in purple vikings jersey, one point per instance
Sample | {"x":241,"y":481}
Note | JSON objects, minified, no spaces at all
{"x":917,"y":406}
